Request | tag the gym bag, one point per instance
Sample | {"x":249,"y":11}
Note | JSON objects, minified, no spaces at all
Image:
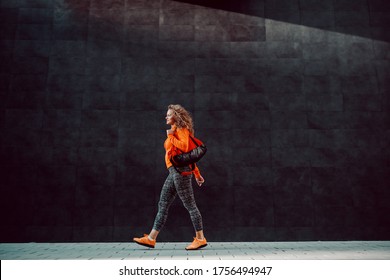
{"x":191,"y":157}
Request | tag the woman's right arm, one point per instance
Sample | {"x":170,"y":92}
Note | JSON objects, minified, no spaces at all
{"x":182,"y":142}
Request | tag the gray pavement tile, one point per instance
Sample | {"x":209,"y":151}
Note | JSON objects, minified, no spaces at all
{"x":214,"y":251}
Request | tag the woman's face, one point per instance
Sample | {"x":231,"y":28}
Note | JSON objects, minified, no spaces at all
{"x":169,"y":118}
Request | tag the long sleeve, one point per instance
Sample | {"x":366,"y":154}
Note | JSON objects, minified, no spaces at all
{"x":196,"y":171}
{"x":181,"y":141}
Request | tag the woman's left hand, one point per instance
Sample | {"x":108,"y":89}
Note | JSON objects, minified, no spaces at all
{"x":200,"y":180}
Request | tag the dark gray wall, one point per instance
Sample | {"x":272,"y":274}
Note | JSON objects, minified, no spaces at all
{"x":291,"y":97}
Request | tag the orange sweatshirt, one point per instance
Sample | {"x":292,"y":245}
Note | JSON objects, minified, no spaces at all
{"x":181,"y":140}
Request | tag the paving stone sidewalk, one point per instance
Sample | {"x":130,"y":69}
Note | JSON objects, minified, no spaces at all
{"x":353,"y":250}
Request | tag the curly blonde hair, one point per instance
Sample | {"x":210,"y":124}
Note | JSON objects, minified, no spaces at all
{"x":182,"y":117}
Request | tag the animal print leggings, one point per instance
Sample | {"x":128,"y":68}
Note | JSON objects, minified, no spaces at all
{"x":181,"y":185}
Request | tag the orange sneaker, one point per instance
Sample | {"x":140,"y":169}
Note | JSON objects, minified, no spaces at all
{"x":145,"y":241}
{"x":197,"y":244}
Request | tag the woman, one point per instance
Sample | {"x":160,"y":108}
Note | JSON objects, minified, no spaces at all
{"x":178,"y":181}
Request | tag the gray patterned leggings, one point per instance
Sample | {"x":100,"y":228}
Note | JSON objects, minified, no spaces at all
{"x":181,"y":185}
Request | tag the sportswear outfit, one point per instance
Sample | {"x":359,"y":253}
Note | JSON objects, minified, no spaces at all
{"x":177,"y":184}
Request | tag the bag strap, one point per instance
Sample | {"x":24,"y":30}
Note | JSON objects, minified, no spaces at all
{"x":194,"y":141}
{"x":185,"y":173}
